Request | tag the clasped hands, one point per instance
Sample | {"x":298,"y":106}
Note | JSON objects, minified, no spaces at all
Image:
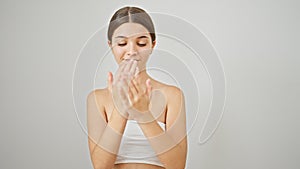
{"x":130,"y":97}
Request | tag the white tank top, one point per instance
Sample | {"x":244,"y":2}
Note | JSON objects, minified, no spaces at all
{"x":135,"y":147}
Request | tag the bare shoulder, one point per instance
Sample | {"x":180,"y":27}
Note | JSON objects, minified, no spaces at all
{"x":98,"y":94}
{"x":164,"y":87}
{"x":175,"y":107}
{"x":172,"y":92}
{"x":96,"y":101}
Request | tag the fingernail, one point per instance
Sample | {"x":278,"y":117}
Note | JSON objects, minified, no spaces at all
{"x":148,"y":81}
{"x":136,"y":71}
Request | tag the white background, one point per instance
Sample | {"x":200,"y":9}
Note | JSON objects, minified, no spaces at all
{"x":258,"y":44}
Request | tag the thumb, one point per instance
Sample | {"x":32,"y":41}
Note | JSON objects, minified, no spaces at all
{"x":149,"y":87}
{"x":110,"y":81}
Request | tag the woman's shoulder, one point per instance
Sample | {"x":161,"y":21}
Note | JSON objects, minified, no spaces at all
{"x":174,"y":92}
{"x":100,"y":93}
{"x":169,"y":90}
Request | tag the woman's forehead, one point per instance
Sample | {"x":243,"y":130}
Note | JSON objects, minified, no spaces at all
{"x":131,"y":30}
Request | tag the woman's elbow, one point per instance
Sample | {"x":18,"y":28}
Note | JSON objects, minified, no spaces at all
{"x":99,"y":164}
{"x":102,"y":166}
{"x":177,"y":165}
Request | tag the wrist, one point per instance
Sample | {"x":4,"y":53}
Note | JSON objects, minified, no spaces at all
{"x":118,"y":117}
{"x":141,"y":117}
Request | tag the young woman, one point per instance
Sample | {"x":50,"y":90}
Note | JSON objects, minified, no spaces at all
{"x":136,"y":122}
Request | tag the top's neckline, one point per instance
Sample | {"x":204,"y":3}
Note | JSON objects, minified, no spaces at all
{"x":156,"y":120}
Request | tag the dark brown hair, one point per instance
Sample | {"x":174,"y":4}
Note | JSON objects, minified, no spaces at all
{"x":130,"y":15}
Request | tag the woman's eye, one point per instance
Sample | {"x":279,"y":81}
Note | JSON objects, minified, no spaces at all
{"x":142,"y":44}
{"x":139,"y":44}
{"x":122,"y":44}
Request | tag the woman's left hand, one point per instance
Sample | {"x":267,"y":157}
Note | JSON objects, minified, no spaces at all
{"x":139,"y":95}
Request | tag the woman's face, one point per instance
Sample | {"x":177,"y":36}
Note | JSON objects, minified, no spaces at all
{"x":132,"y":41}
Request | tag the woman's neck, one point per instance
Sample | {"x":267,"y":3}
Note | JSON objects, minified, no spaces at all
{"x":142,"y":76}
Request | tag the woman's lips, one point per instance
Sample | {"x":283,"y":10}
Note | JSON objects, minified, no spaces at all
{"x":131,"y":59}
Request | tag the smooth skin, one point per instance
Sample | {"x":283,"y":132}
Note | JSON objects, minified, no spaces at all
{"x":132,"y":41}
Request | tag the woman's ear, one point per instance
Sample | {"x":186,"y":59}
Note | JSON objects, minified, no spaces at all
{"x":109,"y":43}
{"x":153,"y":43}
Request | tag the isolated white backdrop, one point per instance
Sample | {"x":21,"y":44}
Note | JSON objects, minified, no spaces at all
{"x":257,"y":42}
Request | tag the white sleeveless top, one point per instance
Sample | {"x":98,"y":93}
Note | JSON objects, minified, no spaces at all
{"x":135,"y":147}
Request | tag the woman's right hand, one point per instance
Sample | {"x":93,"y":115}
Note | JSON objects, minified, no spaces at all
{"x":118,"y":88}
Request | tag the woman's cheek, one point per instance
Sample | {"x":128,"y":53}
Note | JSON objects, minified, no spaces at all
{"x":145,"y":54}
{"x":118,"y":53}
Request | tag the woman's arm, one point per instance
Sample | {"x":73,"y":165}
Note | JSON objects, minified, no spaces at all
{"x":104,"y":137}
{"x":170,"y":145}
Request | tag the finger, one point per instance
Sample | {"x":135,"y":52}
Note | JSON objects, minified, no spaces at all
{"x":132,"y":88}
{"x":128,"y":66}
{"x":136,"y":85}
{"x":110,"y":81}
{"x":133,"y":67}
{"x":130,"y":69}
{"x":124,"y":96}
{"x":123,"y":73}
{"x":124,"y":82}
{"x":131,"y":97}
{"x":120,"y":69}
{"x":124,"y":85}
{"x":149,"y":87}
{"x":136,"y":71}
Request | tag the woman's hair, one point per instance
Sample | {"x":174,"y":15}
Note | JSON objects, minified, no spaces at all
{"x":130,"y":15}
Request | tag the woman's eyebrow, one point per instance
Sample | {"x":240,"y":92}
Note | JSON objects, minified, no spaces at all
{"x":142,"y":37}
{"x":121,"y":37}
{"x":137,"y":38}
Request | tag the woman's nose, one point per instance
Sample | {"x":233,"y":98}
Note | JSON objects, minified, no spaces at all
{"x":131,"y":51}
